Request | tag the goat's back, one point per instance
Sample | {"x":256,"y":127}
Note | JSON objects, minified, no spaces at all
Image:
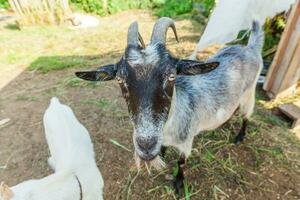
{"x":239,"y":64}
{"x":68,"y":140}
{"x":213,"y":97}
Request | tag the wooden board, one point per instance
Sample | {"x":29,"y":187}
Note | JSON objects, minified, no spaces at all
{"x":292,"y":111}
{"x":284,"y":72}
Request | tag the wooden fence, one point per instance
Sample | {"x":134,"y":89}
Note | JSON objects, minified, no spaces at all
{"x":32,"y":12}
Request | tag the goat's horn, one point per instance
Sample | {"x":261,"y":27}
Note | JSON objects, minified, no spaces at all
{"x":133,"y":34}
{"x":141,"y":41}
{"x":160,"y":30}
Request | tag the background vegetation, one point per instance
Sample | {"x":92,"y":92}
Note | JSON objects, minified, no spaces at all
{"x":198,"y":10}
{"x":4,"y":4}
{"x":169,"y":8}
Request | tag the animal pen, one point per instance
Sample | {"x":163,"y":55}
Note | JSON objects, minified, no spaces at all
{"x":283,"y":76}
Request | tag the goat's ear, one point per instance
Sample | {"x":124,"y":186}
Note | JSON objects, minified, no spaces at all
{"x":105,"y":73}
{"x":192,"y":67}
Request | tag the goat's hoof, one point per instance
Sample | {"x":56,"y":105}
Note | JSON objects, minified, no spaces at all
{"x":163,"y":151}
{"x":178,"y":185}
{"x":238,"y":140}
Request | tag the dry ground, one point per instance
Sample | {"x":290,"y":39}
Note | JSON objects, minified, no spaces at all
{"x":265,"y":166}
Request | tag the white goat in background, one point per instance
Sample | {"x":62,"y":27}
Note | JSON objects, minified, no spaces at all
{"x":72,"y":158}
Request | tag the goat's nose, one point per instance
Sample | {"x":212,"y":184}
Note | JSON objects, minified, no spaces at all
{"x":146,"y":143}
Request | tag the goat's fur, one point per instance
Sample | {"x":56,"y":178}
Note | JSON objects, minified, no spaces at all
{"x":171,"y":100}
{"x":206,"y":101}
{"x":72,"y":159}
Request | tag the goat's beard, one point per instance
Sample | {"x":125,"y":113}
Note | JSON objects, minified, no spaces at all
{"x":157,"y":163}
{"x":5,"y":192}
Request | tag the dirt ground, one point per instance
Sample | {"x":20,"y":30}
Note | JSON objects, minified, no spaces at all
{"x":265,"y":166}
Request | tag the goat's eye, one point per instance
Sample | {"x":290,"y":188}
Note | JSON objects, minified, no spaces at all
{"x":119,"y":79}
{"x":172,"y":77}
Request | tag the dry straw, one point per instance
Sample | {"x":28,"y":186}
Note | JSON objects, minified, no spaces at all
{"x":40,"y":12}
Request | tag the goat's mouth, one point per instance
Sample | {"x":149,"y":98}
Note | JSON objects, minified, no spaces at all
{"x":147,"y":151}
{"x":147,"y":157}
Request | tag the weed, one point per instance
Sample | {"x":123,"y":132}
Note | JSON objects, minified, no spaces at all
{"x":77,"y":82}
{"x":4,"y":4}
{"x":119,"y":145}
{"x":26,"y":98}
{"x":172,"y":8}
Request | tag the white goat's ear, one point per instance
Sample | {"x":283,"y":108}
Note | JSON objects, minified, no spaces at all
{"x":5,"y":192}
{"x":105,"y":73}
{"x":192,"y":67}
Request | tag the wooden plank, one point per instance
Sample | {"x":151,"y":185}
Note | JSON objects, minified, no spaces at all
{"x":292,"y":111}
{"x":286,"y":69}
{"x":282,"y":46}
{"x":283,"y":67}
{"x":296,"y":124}
{"x":289,"y":83}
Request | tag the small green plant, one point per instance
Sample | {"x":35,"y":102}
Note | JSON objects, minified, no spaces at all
{"x":106,"y":7}
{"x":273,"y":30}
{"x":91,"y":6}
{"x":168,"y":8}
{"x":172,"y":8}
{"x":4,"y":4}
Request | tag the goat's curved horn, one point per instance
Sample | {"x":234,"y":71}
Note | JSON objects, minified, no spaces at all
{"x":160,"y":30}
{"x":133,"y":34}
{"x":141,"y":41}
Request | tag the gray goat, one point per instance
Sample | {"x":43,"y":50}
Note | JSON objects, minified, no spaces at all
{"x":170,"y":100}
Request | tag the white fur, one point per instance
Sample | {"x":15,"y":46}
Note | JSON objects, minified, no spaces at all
{"x":72,"y":156}
{"x":145,"y":57}
{"x":146,"y":128}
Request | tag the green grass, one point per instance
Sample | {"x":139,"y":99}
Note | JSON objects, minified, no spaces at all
{"x":47,"y":49}
{"x":102,"y":103}
{"x":26,"y":98}
{"x":73,"y":81}
{"x":56,"y":48}
{"x":216,"y":164}
{"x":108,"y":107}
{"x":47,"y":64}
{"x":220,"y":165}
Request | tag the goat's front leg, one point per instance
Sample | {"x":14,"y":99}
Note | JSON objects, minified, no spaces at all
{"x":246,"y":108}
{"x":178,"y":184}
{"x":163,"y":150}
{"x":240,"y":137}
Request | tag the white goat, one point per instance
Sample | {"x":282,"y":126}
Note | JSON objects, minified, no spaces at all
{"x":72,"y":158}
